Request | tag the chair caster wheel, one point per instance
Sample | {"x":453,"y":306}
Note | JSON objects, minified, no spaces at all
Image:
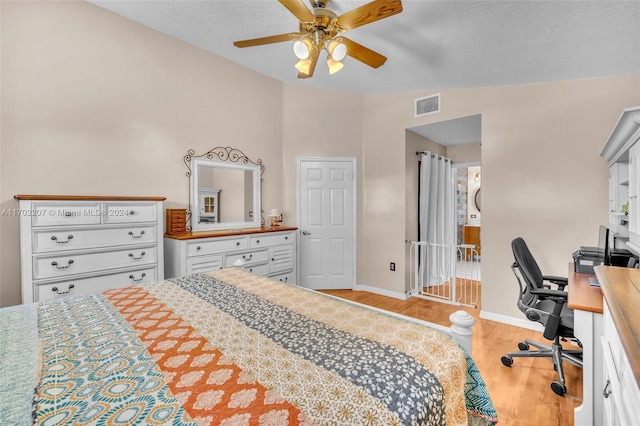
{"x":507,"y":361}
{"x":523,"y":346}
{"x":558,"y":388}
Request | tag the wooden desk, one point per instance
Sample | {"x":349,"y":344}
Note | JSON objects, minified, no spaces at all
{"x":586,"y":301}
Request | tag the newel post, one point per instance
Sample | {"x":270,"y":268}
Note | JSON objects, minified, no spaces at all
{"x":461,"y":330}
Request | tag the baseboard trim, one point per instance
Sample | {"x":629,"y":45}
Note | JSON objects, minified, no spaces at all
{"x":381,"y":291}
{"x":517,"y":322}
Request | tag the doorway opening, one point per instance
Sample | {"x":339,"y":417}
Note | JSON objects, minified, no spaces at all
{"x":459,"y":141}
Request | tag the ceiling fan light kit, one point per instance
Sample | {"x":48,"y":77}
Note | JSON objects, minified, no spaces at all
{"x":337,"y":51}
{"x":301,"y":48}
{"x":321,"y":29}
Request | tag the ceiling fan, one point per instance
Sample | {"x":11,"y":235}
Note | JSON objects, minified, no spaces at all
{"x":321,"y":29}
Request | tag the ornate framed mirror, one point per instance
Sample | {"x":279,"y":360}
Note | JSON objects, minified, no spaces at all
{"x":225,"y":190}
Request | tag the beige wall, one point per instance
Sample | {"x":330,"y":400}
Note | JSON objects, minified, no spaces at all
{"x":95,"y":104}
{"x":542,"y":176}
{"x":461,"y":154}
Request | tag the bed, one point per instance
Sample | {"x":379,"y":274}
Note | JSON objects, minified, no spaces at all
{"x":229,"y":348}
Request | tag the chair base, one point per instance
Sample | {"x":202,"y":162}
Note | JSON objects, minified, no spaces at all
{"x":555,"y":352}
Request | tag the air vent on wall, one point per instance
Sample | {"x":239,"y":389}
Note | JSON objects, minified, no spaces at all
{"x":427,"y":105}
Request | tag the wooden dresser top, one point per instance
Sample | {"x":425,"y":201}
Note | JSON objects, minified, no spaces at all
{"x":621,"y":288}
{"x":228,"y":232}
{"x":85,"y":198}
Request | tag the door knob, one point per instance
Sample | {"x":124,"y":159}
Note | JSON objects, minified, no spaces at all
{"x":306,"y":233}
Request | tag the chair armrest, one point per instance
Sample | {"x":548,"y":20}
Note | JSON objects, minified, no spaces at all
{"x":545,"y":293}
{"x":561,"y":282}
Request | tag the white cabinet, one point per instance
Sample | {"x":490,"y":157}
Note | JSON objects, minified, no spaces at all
{"x":620,"y":389}
{"x":209,"y":205}
{"x":76,"y":245}
{"x":634,"y":201}
{"x":622,"y":151}
{"x":619,"y":201}
{"x":264,"y":251}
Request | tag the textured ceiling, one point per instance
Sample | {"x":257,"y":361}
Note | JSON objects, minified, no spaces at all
{"x":431,"y":45}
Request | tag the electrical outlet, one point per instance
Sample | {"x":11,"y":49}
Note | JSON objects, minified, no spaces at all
{"x":392,"y":266}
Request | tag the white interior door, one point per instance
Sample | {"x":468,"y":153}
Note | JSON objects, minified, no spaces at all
{"x":326,"y":218}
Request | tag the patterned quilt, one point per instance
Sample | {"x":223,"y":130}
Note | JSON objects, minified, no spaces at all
{"x":229,"y":348}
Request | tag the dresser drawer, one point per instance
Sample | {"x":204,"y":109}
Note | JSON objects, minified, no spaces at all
{"x":200,"y":264}
{"x":71,"y":264}
{"x":203,"y":247}
{"x":71,"y":287}
{"x":58,"y":214}
{"x":270,"y":240}
{"x":65,"y":239}
{"x":257,"y":269}
{"x":128,"y":213}
{"x":246,"y":258}
{"x":286,"y":277}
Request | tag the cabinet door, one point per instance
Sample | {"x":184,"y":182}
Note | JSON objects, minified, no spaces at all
{"x":634,"y":175}
{"x":613,"y":195}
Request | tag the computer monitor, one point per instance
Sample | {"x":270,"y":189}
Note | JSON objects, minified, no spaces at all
{"x":603,"y":244}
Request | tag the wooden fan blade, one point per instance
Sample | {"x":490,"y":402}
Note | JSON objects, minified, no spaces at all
{"x":363,"y":54}
{"x":267,"y":40}
{"x":370,"y":12}
{"x":313,"y":57}
{"x":299,"y":10}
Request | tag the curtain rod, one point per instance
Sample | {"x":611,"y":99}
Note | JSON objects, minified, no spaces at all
{"x":432,"y":155}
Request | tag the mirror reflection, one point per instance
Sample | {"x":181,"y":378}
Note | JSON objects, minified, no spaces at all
{"x":224,"y":195}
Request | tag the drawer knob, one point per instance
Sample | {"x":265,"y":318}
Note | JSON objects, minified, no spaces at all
{"x":55,"y":289}
{"x":257,"y":241}
{"x":137,"y":280}
{"x":136,"y":236}
{"x":55,"y":264}
{"x":131,"y":212}
{"x":132,"y":256}
{"x":244,"y":256}
{"x":607,"y":391}
{"x":69,"y":238}
{"x":237,"y":243}
{"x":67,"y":213}
{"x":286,"y":238}
{"x":198,"y":248}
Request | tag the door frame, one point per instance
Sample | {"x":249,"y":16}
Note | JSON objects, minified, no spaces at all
{"x":354,"y":181}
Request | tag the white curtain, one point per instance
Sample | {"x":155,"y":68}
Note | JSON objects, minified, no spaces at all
{"x":437,"y":220}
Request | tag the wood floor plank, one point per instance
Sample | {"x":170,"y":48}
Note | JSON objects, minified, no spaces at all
{"x":521,"y":393}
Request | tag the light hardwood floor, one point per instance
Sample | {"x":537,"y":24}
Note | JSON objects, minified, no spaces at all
{"x":521,"y":394}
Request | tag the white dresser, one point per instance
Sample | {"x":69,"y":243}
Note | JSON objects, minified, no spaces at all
{"x":620,"y":342}
{"x":269,"y":251}
{"x":81,"y":244}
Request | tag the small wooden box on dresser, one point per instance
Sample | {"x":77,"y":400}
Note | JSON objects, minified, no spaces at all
{"x":82,"y":244}
{"x":267,"y":251}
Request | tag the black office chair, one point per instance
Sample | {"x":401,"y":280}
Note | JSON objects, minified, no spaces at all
{"x":548,"y":306}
